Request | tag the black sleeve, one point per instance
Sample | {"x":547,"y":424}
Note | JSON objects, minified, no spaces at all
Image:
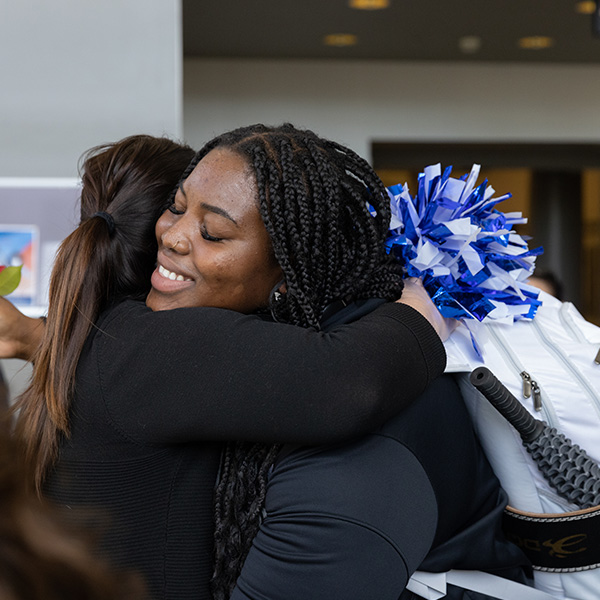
{"x":202,"y":374}
{"x":351,"y":522}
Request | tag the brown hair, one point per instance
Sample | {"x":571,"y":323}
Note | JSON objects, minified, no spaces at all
{"x":39,"y":558}
{"x":108,"y":257}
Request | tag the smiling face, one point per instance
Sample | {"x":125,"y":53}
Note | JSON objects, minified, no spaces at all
{"x":214,"y":249}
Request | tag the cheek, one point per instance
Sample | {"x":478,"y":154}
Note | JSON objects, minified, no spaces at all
{"x":226,"y":274}
{"x":268,"y":273}
{"x":252,"y":276}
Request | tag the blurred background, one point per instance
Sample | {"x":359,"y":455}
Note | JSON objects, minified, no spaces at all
{"x":511,"y":84}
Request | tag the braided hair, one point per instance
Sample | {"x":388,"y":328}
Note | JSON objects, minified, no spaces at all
{"x":327,"y":214}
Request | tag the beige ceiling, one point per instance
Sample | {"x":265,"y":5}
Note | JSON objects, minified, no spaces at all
{"x":408,"y":30}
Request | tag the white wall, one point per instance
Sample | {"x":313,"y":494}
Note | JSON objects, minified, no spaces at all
{"x":356,"y":102}
{"x":76,"y":73}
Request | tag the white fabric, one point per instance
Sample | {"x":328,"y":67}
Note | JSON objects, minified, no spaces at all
{"x":557,"y":349}
{"x":432,"y":586}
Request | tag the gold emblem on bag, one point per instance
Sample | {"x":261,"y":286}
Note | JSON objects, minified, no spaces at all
{"x":563,"y":547}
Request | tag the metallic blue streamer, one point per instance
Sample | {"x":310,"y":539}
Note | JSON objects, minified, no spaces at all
{"x":504,"y":259}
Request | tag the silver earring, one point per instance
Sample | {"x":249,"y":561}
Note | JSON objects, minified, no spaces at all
{"x":276,"y":296}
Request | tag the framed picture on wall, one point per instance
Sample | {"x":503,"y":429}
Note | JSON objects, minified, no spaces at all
{"x":36,"y":215}
{"x":19,"y":247}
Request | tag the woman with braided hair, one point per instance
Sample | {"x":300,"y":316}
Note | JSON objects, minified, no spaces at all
{"x":130,"y":402}
{"x":326,"y":213}
{"x":352,"y":520}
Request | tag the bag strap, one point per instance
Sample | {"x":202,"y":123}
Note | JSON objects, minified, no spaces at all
{"x":432,"y":586}
{"x":556,"y":543}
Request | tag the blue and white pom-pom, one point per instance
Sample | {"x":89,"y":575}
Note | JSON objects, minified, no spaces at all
{"x":472,"y":263}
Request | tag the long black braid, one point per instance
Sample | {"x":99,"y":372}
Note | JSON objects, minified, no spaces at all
{"x":327,"y":214}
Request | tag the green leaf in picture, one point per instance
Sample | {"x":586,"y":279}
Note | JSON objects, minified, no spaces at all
{"x":9,"y":279}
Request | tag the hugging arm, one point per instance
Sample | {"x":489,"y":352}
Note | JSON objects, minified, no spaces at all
{"x":201,"y":374}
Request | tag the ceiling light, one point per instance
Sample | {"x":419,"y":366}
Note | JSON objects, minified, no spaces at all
{"x":536,"y":42}
{"x":369,"y":4}
{"x":585,"y":7}
{"x":469,"y":44}
{"x":340,"y":39}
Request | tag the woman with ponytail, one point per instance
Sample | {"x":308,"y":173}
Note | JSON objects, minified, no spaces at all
{"x":96,"y":265}
{"x":130,"y":401}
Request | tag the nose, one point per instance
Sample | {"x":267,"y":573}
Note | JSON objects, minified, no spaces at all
{"x":175,"y":239}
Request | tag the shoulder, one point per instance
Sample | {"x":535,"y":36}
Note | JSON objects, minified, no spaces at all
{"x":354,"y":517}
{"x":401,"y":449}
{"x":134,"y":318}
{"x":122,"y":312}
{"x":427,"y":458}
{"x":352,"y":483}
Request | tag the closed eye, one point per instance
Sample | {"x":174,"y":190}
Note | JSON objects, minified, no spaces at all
{"x":173,"y":208}
{"x":208,"y":237}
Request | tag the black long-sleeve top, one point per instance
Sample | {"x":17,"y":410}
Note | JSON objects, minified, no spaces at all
{"x":156,"y":392}
{"x":353,"y":521}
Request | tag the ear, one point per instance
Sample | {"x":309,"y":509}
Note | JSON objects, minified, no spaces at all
{"x":277,"y":292}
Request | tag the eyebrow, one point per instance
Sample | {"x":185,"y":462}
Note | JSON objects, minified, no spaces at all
{"x":210,"y":207}
{"x":219,"y":211}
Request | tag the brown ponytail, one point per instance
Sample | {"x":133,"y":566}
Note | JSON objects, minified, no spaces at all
{"x":130,"y":181}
